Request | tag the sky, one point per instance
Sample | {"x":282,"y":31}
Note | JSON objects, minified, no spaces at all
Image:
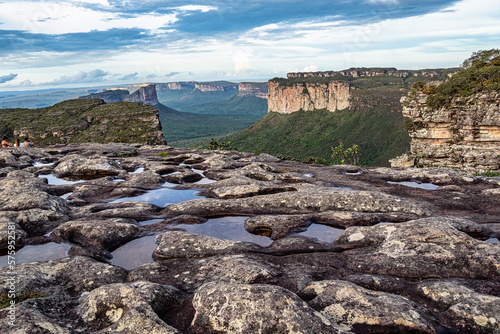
{"x":83,"y":43}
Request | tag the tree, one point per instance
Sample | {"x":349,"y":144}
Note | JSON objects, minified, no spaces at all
{"x":483,"y":57}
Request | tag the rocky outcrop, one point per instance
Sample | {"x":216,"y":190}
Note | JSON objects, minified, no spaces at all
{"x":146,"y":94}
{"x":289,"y":98}
{"x":331,"y":249}
{"x":464,"y":135}
{"x":373,"y":72}
{"x":216,"y":86}
{"x":257,"y":89}
{"x":108,"y":96}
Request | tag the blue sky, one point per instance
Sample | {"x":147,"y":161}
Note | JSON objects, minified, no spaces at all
{"x":53,"y":43}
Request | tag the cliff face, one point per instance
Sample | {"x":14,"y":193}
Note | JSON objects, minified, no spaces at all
{"x":372,"y":72}
{"x":257,"y":89}
{"x":146,"y":94}
{"x":216,"y":86}
{"x":464,"y":135}
{"x":289,"y":98}
{"x":175,"y":86}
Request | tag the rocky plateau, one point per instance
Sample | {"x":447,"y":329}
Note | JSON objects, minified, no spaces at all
{"x":244,"y":243}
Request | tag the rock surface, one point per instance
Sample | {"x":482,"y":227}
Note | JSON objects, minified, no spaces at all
{"x":418,"y":249}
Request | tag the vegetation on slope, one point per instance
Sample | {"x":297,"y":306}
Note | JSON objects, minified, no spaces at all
{"x":481,"y":73}
{"x":380,"y":135}
{"x":77,"y":121}
{"x":190,"y":130}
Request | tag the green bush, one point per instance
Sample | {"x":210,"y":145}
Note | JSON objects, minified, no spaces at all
{"x":342,"y":156}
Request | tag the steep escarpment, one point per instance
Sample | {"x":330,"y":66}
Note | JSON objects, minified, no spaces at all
{"x":308,"y":96}
{"x":374,"y":72}
{"x":82,"y":120}
{"x":256,"y":89}
{"x":456,"y":123}
{"x":145,"y":94}
{"x":463,"y":135}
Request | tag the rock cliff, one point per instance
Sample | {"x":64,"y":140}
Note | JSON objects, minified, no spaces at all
{"x":374,"y":72}
{"x":289,"y":98}
{"x":463,"y":135}
{"x":216,"y":86}
{"x":145,"y":94}
{"x":257,"y":89}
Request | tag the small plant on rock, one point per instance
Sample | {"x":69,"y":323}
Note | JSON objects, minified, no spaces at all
{"x":342,"y":156}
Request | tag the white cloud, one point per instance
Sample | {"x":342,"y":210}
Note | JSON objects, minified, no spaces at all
{"x":59,"y":18}
{"x":241,"y":61}
{"x":383,"y":2}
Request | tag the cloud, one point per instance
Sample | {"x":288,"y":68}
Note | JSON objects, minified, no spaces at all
{"x":241,"y":61}
{"x":8,"y":77}
{"x":172,"y":74}
{"x":81,"y":77}
{"x":131,"y":76}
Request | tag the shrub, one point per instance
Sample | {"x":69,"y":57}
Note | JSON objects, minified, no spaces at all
{"x":214,"y":145}
{"x":342,"y":156}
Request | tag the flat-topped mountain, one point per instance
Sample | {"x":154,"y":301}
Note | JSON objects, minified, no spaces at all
{"x":85,"y":120}
{"x":145,"y":94}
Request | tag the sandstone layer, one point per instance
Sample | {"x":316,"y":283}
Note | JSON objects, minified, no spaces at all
{"x":289,"y":98}
{"x":464,"y":135}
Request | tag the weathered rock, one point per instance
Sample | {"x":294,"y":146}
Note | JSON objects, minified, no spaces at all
{"x":10,"y":233}
{"x":180,"y":244}
{"x":79,"y":165}
{"x":367,"y":310}
{"x":184,"y":177}
{"x":305,"y":200}
{"x":97,"y":235}
{"x":130,"y":308}
{"x":463,"y":135}
{"x":247,"y":191}
{"x":190,"y":274}
{"x":464,"y":308}
{"x":68,"y":275}
{"x":127,"y":209}
{"x":424,"y":248}
{"x":239,"y":308}
{"x":277,"y":226}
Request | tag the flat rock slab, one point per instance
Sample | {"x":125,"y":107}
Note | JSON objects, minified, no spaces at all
{"x":424,"y":248}
{"x":71,"y":275}
{"x":79,"y":165}
{"x":306,"y":200}
{"x":180,"y":244}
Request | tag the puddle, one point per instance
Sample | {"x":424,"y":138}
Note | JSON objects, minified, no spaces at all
{"x":416,"y":184}
{"x":41,"y":164}
{"x":135,"y":253}
{"x":118,"y":180}
{"x":53,"y":180}
{"x":151,"y":221}
{"x":322,"y":232}
{"x":493,"y":240}
{"x":228,"y":228}
{"x":46,"y":252}
{"x":205,"y":181}
{"x":163,"y":196}
{"x":353,"y":173}
{"x":137,"y":171}
{"x":65,"y":196}
{"x":308,"y":174}
{"x":341,"y":187}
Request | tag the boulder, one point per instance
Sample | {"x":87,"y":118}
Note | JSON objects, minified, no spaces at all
{"x":97,"y":235}
{"x":80,"y":166}
{"x":368,"y":311}
{"x":242,"y":308}
{"x":131,"y":308}
{"x":68,"y":276}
